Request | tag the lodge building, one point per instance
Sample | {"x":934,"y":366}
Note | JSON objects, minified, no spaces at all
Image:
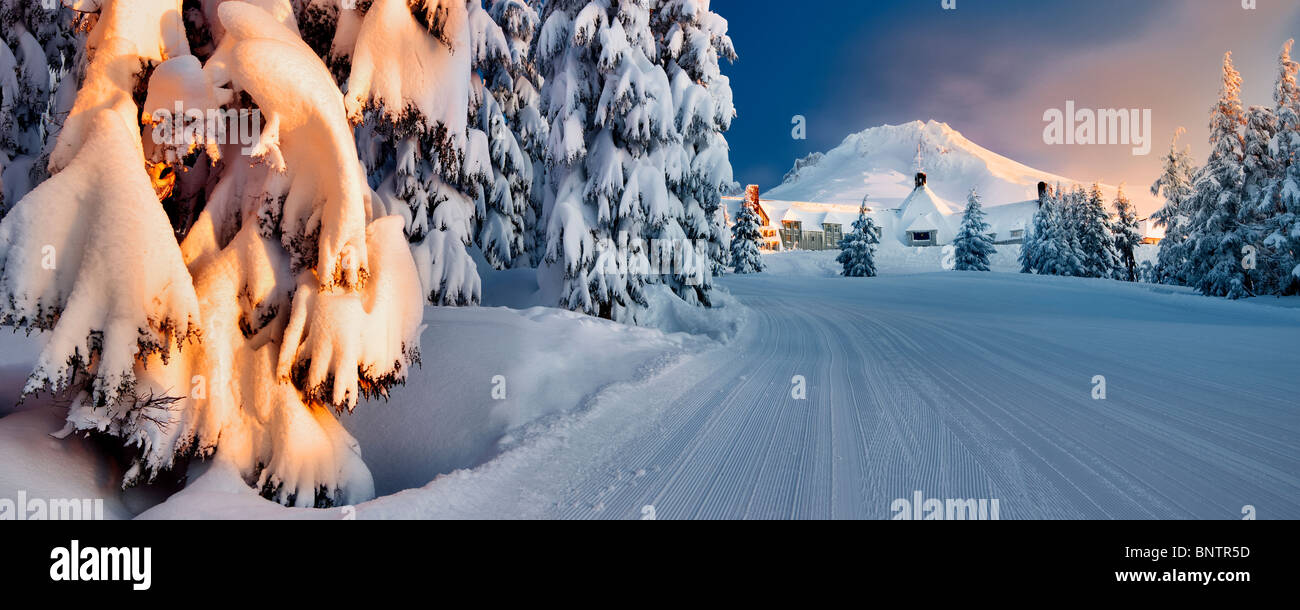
{"x":922,"y":219}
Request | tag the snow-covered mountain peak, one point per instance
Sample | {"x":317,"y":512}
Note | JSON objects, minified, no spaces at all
{"x":881,"y":161}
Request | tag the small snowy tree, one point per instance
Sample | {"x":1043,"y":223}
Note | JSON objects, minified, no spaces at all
{"x":1096,"y":243}
{"x":1033,"y":249}
{"x":1127,"y":237}
{"x":973,"y":245}
{"x":1175,"y":185}
{"x":1047,"y":249}
{"x":1217,"y":238}
{"x":858,"y":248}
{"x":1147,"y":273}
{"x":745,"y":240}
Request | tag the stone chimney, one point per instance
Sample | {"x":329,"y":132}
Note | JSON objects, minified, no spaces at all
{"x":920,"y":179}
{"x":1042,"y":193}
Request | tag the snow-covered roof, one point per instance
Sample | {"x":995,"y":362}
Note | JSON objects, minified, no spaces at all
{"x":809,"y":218}
{"x":812,"y":215}
{"x":844,"y":219}
{"x":1003,"y":219}
{"x":929,"y":222}
{"x":922,"y":200}
{"x":817,"y":219}
{"x":923,"y":210}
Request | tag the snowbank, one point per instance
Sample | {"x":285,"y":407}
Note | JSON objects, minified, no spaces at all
{"x":42,"y":467}
{"x":499,"y":378}
{"x":519,"y":289}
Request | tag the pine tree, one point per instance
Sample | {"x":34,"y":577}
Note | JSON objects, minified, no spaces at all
{"x":1258,"y":165}
{"x":1033,"y":250}
{"x":1067,"y":255}
{"x":1147,"y":273}
{"x":422,"y":157}
{"x":38,"y":49}
{"x":1127,"y":235}
{"x":504,"y":198}
{"x":514,"y":84}
{"x":613,"y":152}
{"x":1261,"y":170}
{"x":1175,"y":185}
{"x":745,"y":240}
{"x":973,"y":244}
{"x":858,"y":248}
{"x":1096,"y":243}
{"x":1216,"y":240}
{"x":1280,"y":204}
{"x":692,"y":40}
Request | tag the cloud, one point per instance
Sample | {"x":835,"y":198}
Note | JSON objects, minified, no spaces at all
{"x":1171,"y":65}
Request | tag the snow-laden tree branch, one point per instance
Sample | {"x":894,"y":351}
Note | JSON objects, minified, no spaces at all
{"x":237,"y":332}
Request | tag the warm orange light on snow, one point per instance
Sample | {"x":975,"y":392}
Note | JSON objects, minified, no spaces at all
{"x":163,"y":178}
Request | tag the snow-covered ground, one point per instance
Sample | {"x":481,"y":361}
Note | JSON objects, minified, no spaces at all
{"x":960,"y":385}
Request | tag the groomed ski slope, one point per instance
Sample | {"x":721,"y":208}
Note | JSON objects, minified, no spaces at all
{"x":959,"y":385}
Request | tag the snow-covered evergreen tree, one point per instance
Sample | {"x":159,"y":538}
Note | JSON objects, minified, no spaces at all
{"x":973,"y":245}
{"x":692,"y":40}
{"x":514,"y":82}
{"x":1066,"y":256}
{"x":234,"y":334}
{"x":1216,"y":241}
{"x":1260,"y":170}
{"x":613,"y":152}
{"x":1258,"y":165}
{"x":1175,"y":185}
{"x":858,"y":248}
{"x":1049,"y":250}
{"x":410,"y":84}
{"x":1279,"y":206}
{"x":1147,"y":273}
{"x":1096,"y":243}
{"x":1034,"y":248}
{"x":745,"y":240}
{"x":504,"y":198}
{"x":1127,"y":235}
{"x":38,"y":48}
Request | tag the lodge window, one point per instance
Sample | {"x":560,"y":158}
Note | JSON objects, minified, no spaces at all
{"x":921,"y":236}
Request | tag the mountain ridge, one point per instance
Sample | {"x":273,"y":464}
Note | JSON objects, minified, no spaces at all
{"x":880,"y":162}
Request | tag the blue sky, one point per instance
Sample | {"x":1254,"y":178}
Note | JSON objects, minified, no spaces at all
{"x":990,"y":69}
